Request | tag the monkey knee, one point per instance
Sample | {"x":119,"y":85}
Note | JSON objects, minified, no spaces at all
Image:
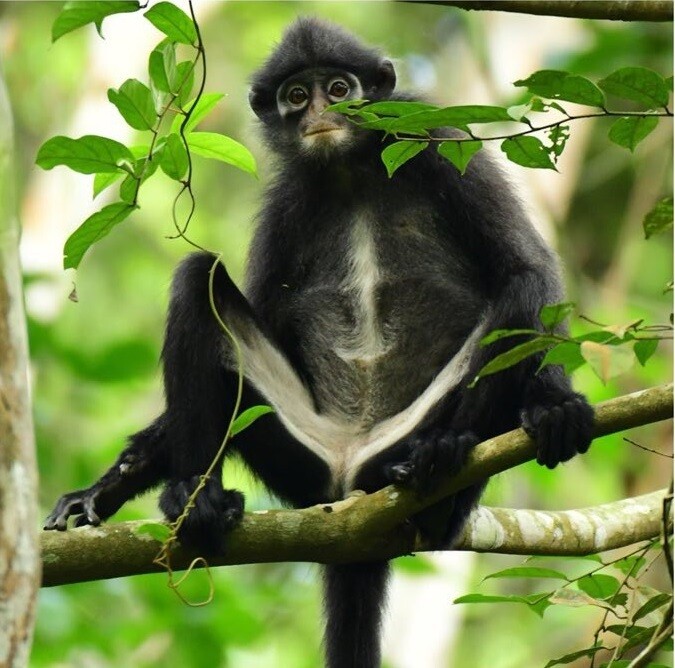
{"x":192,"y":276}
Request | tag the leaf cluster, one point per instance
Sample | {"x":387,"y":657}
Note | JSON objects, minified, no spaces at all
{"x":609,"y":350}
{"x":161,"y":109}
{"x":415,"y":125}
{"x":613,"y":586}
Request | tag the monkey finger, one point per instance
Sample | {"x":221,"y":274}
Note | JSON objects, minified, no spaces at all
{"x":66,"y":506}
{"x":399,"y":474}
{"x":89,"y":510}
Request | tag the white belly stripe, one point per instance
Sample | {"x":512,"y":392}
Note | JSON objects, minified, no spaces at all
{"x":344,"y":446}
{"x":343,"y":442}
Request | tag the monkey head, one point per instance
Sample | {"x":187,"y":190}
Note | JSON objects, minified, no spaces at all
{"x":315,"y":65}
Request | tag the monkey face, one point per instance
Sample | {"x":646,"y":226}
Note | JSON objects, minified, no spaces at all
{"x":301,"y":104}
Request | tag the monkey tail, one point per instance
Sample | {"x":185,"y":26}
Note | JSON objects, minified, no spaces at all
{"x":354,"y":598}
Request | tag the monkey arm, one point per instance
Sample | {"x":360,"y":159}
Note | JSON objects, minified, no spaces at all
{"x":140,"y":466}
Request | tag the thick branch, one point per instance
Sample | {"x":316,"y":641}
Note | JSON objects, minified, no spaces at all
{"x":612,"y":10}
{"x":373,"y":526}
{"x":118,"y":550}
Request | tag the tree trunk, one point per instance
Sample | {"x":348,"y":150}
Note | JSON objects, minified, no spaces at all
{"x":19,"y":556}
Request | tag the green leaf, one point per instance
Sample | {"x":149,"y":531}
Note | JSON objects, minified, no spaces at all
{"x":652,"y":605}
{"x":185,"y":78}
{"x":398,"y":109}
{"x":569,"y":658}
{"x":459,"y":153}
{"x":629,"y":131}
{"x":483,"y":598}
{"x":644,"y":349}
{"x":498,"y":334}
{"x":134,"y":101}
{"x":519,"y":111}
{"x":527,"y":572}
{"x":513,"y":356}
{"x":174,"y":160}
{"x":457,"y":117}
{"x":162,"y":67}
{"x":129,"y":189}
{"x":248,"y":417}
{"x":528,"y":152}
{"x":90,"y":154}
{"x":173,"y":22}
{"x":146,"y":168}
{"x":415,"y":564}
{"x":599,"y":586}
{"x":552,"y":315}
{"x":607,"y":361}
{"x":160,"y":532}
{"x":659,"y":219}
{"x":348,"y":107}
{"x":638,"y":84}
{"x":558,"y":136}
{"x":400,"y":152}
{"x":557,"y":85}
{"x":598,"y":336}
{"x":572,"y":598}
{"x":566,"y":354}
{"x":81,"y":12}
{"x":198,"y":112}
{"x":630,"y":565}
{"x":635,"y":635}
{"x":105,"y":180}
{"x":93,"y":229}
{"x":537,"y":603}
{"x":219,"y":147}
{"x":619,"y":600}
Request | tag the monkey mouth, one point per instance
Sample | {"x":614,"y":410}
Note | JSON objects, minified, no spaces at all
{"x":321,"y":128}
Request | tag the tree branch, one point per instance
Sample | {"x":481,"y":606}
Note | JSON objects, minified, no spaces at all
{"x":374,"y":526}
{"x":117,"y":550}
{"x":612,"y":10}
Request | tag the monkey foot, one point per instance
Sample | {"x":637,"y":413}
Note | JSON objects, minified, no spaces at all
{"x":434,"y":454}
{"x":215,"y":512}
{"x":560,"y":428}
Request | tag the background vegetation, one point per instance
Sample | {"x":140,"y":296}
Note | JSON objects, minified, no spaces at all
{"x":95,"y":361}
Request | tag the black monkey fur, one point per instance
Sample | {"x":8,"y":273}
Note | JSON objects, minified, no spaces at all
{"x":365,"y":301}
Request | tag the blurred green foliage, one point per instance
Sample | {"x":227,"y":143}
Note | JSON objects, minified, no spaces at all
{"x":96,"y":362}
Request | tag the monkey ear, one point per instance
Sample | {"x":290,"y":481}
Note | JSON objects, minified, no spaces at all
{"x":386,"y":79}
{"x":257,"y":101}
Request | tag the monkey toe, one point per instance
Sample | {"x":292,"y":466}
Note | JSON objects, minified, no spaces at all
{"x":433,"y":456}
{"x":215,"y":512}
{"x":560,"y":431}
{"x":398,"y":474}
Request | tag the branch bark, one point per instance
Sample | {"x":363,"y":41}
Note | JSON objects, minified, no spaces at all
{"x":367,"y":527}
{"x":19,"y":558}
{"x":122,"y":549}
{"x":611,"y":10}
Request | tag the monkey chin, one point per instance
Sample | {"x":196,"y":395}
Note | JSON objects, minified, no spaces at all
{"x":325,"y":141}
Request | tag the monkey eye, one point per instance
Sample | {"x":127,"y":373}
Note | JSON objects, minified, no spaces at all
{"x":297,"y":96}
{"x":338,"y":88}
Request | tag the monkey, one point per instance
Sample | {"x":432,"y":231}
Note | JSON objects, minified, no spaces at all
{"x":360,"y":323}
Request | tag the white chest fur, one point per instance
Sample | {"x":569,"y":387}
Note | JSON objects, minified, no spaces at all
{"x":346,"y":444}
{"x":363,"y":278}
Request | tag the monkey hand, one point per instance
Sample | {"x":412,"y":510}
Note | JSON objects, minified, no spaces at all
{"x":561,"y":425}
{"x":87,"y":506}
{"x":433,"y":455}
{"x":215,"y":512}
